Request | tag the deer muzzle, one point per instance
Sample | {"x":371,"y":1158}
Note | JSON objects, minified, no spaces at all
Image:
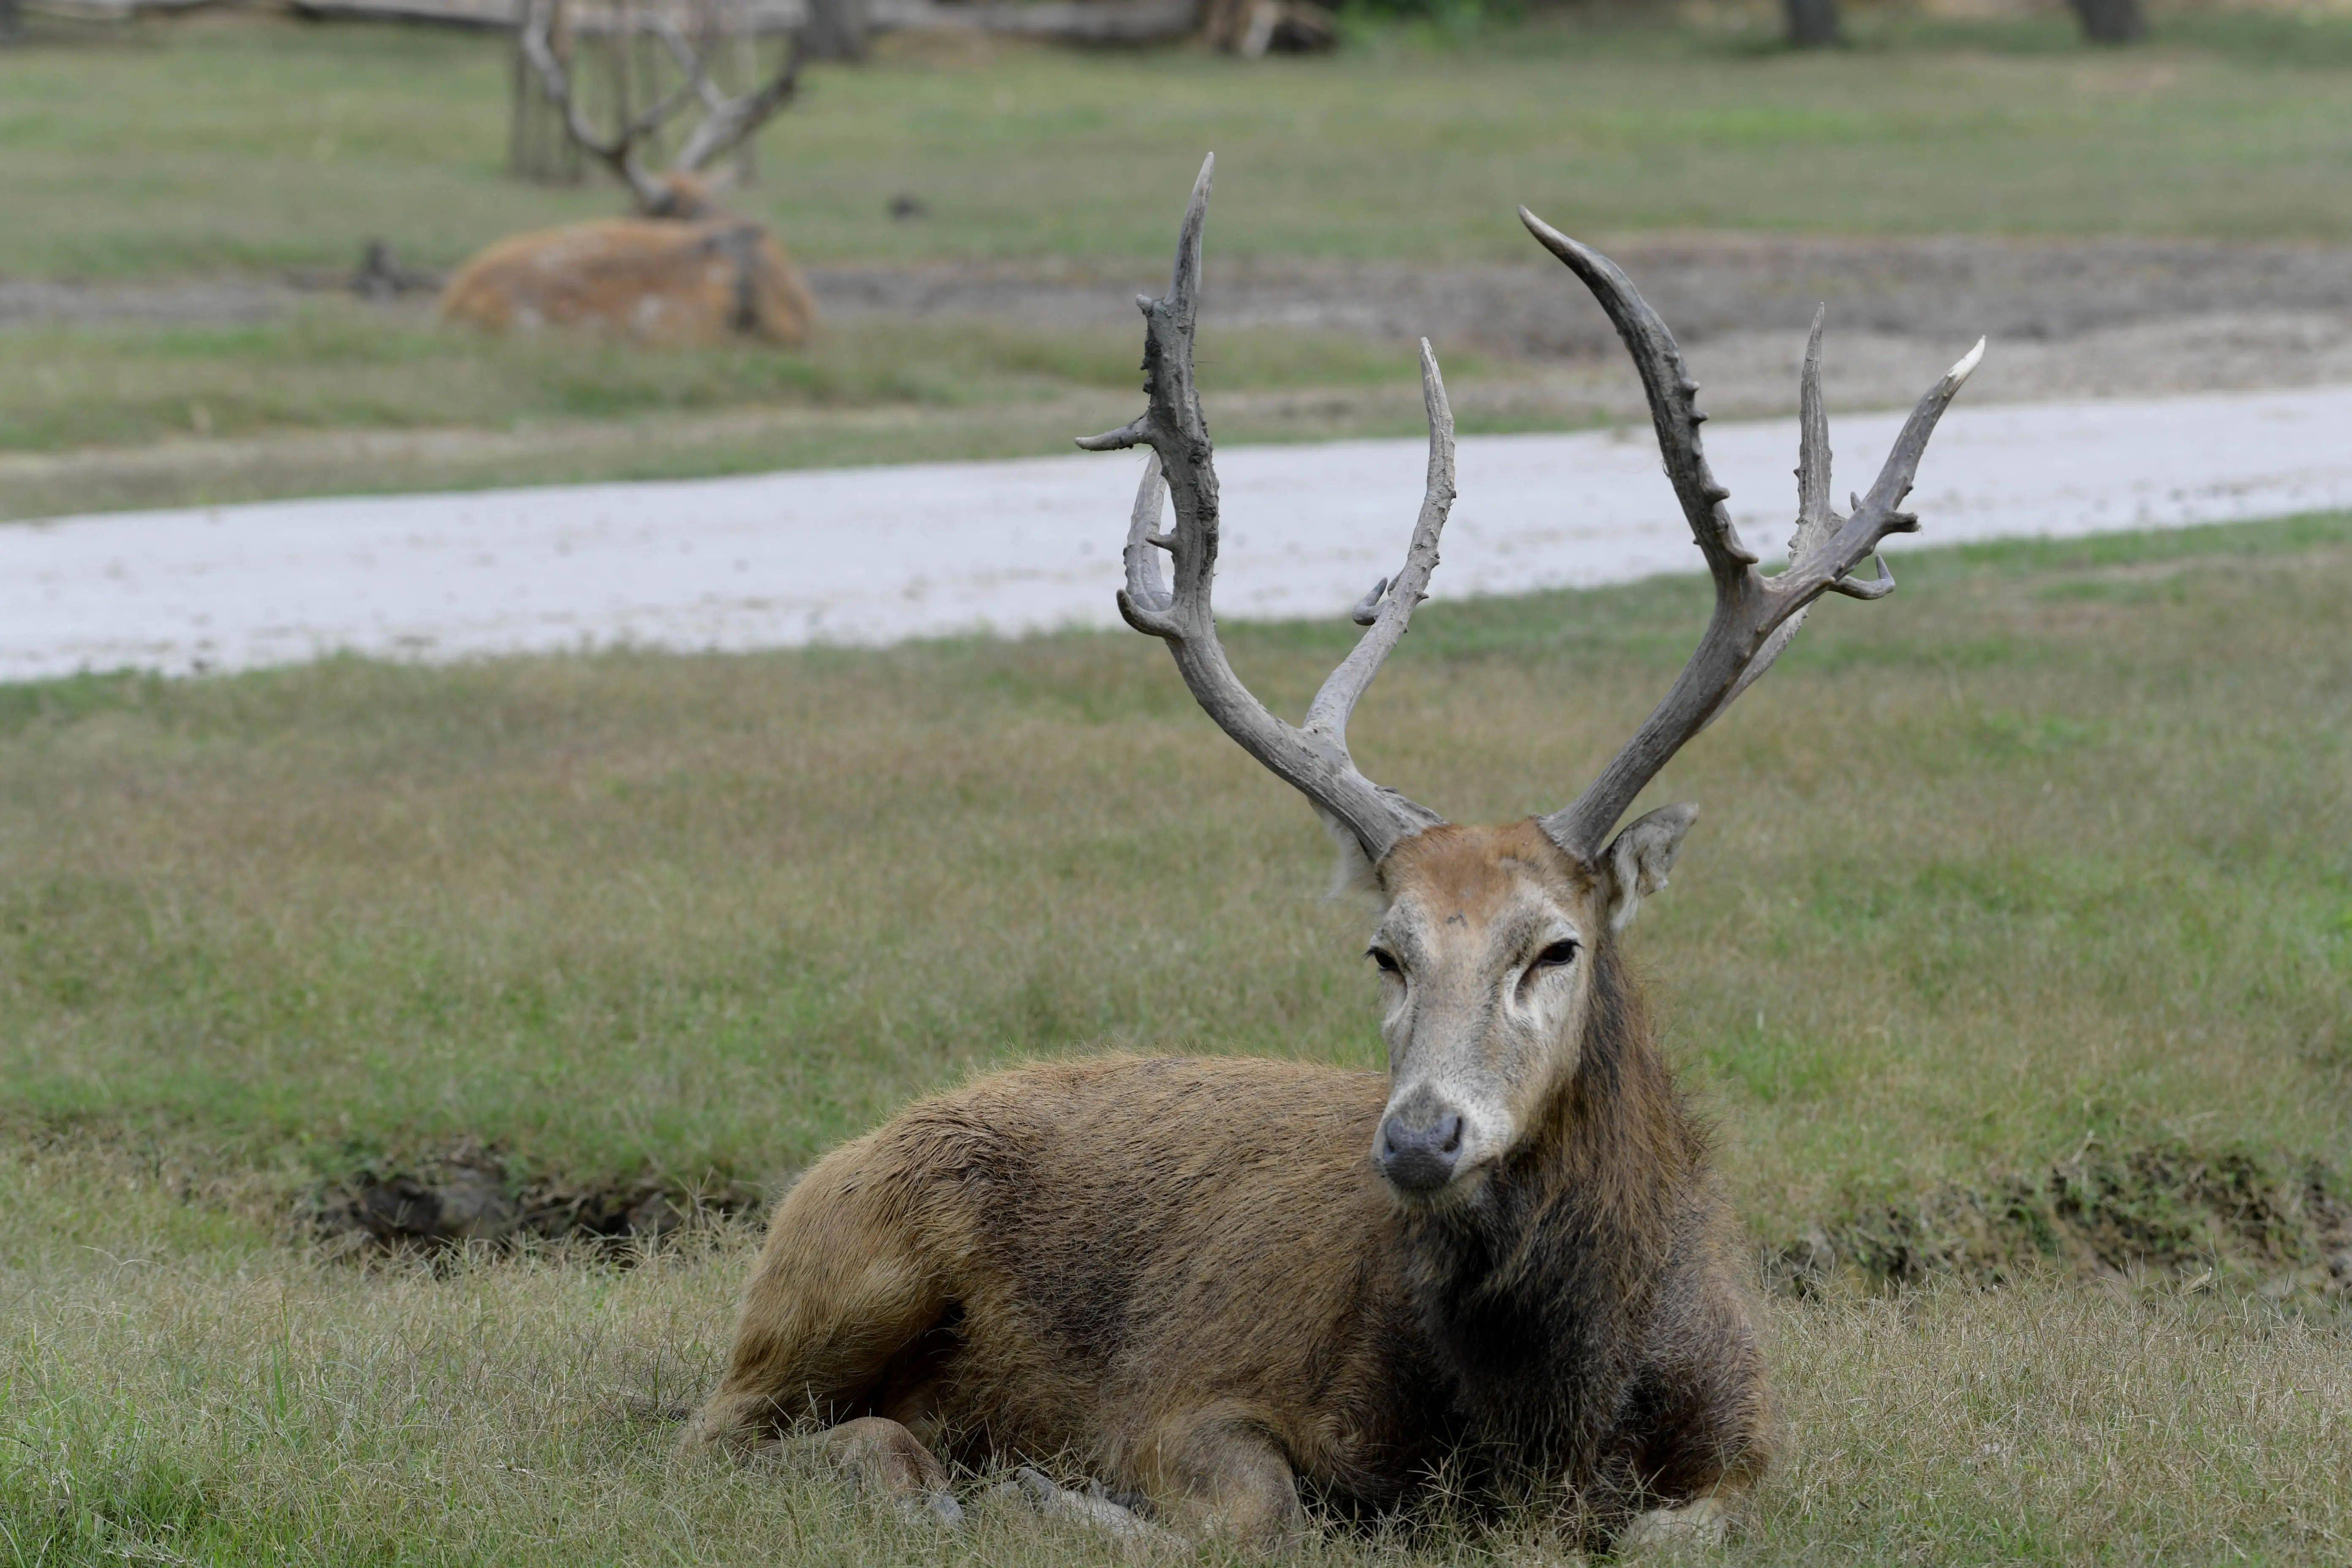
{"x":1419,"y":1146}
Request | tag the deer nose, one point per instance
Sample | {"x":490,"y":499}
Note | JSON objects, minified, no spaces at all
{"x":1420,"y":1146}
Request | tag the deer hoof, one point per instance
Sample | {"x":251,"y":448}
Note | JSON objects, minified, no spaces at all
{"x":1704,"y":1523}
{"x":939,"y":1508}
{"x":1034,"y":1489}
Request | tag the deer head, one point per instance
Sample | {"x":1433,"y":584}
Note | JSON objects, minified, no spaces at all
{"x":727,"y":122}
{"x":1489,"y":938}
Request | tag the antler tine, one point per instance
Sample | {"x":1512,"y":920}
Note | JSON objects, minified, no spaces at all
{"x":1313,"y":759}
{"x":1393,"y":599}
{"x":1814,"y":516}
{"x":730,"y":120}
{"x":1145,"y":591}
{"x":619,"y":153}
{"x":1755,"y":616}
{"x":1816,"y":520}
{"x":726,"y":121}
{"x":1674,"y":397}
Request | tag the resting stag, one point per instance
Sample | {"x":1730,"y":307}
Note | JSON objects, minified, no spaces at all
{"x":1234,"y":1291}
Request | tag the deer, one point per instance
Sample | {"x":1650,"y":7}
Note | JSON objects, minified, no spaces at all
{"x":680,"y":269}
{"x":1235,"y":1295}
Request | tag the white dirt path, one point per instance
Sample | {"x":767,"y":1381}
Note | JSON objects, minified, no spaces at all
{"x":878,"y":555}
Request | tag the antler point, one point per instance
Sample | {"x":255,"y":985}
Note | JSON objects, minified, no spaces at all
{"x":1117,"y":440}
{"x":1959,"y":374}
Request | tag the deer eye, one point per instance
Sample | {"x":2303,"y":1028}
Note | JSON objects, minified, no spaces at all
{"x":1385,"y":961}
{"x":1554,"y":955}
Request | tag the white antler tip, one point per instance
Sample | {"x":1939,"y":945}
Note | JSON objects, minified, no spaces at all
{"x":1960,"y":374}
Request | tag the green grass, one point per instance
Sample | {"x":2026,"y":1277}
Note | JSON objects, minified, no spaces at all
{"x":235,"y":1405}
{"x":342,"y":366}
{"x":265,"y":146}
{"x":2050,"y":852}
{"x":2057,"y":850}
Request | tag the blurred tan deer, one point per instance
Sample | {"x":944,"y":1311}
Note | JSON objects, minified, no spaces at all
{"x":681,"y":271}
{"x":1230,"y":1289}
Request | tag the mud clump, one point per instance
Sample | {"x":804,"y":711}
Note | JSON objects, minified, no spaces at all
{"x":472,"y":1196}
{"x":2226,"y":1218}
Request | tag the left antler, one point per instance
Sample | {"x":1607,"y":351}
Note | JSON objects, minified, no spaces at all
{"x":1754,"y":615}
{"x":726,"y":121}
{"x":1312,"y":758}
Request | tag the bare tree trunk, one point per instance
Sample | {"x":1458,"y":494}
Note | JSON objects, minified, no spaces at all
{"x":2111,"y":21}
{"x":835,"y":31}
{"x":1813,"y":24}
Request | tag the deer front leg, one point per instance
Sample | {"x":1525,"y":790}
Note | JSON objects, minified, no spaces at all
{"x":879,"y":1456}
{"x":1703,"y":1521}
{"x":1221,"y":1476}
{"x":1035,"y":1490}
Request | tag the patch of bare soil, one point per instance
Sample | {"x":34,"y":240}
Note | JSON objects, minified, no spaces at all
{"x":25,"y":301}
{"x":2194,"y":1218}
{"x":210,"y":302}
{"x":2154,"y":315}
{"x":1707,"y":285}
{"x":2165,"y":1212}
{"x":470,"y":1194}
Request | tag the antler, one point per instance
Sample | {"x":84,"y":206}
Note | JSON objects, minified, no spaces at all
{"x":730,"y":120}
{"x":1754,"y":615}
{"x":726,"y":123}
{"x":1312,"y":758}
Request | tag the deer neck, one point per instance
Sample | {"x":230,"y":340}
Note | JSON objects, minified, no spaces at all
{"x":1521,"y":1285}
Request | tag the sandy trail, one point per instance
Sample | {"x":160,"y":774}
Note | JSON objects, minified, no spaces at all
{"x":876,"y":555}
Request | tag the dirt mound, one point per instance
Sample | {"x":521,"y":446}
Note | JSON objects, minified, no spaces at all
{"x":2194,"y":1218}
{"x":473,"y":1195}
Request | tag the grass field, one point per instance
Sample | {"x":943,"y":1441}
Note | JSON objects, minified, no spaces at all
{"x":2048,"y":864}
{"x":261,"y":148}
{"x":335,"y":367}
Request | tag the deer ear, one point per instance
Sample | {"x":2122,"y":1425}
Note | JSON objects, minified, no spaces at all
{"x":1353,"y":874}
{"x":1636,"y":862}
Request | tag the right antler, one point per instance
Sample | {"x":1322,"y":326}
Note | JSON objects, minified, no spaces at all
{"x":1754,"y":615}
{"x":726,"y":121}
{"x":1312,"y":758}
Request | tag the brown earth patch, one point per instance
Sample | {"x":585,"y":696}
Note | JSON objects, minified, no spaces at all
{"x":1707,"y":285}
{"x":471,"y":1195}
{"x":2163,"y":1214}
{"x":2194,"y":1218}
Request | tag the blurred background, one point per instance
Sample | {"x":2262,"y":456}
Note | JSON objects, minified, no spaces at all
{"x":972,"y":194}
